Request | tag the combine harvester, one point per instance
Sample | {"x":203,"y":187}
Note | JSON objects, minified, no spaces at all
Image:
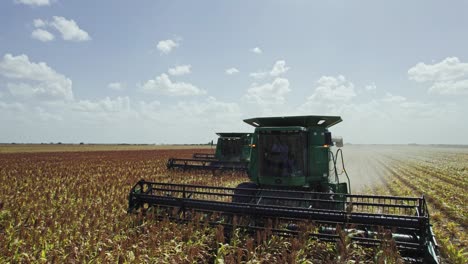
{"x":232,"y":153}
{"x":295,"y":184}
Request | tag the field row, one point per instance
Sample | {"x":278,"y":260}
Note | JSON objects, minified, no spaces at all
{"x":447,"y":204}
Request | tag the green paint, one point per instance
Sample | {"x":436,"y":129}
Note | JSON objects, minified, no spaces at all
{"x":292,"y":152}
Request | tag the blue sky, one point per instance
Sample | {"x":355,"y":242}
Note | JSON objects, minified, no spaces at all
{"x":179,"y":71}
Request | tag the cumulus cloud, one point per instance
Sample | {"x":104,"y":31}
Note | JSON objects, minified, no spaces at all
{"x":116,"y":86}
{"x":34,"y":79}
{"x":256,"y":50}
{"x":393,"y":98}
{"x":166,"y":46}
{"x":42,"y":35}
{"x":370,"y":87}
{"x":39,"y":23}
{"x":269,"y":93}
{"x":208,"y":108}
{"x":164,"y":85}
{"x":106,"y":105}
{"x":14,"y":107}
{"x":449,"y":69}
{"x":450,"y":87}
{"x":333,"y":89}
{"x":200,"y":114}
{"x":180,"y":70}
{"x":448,"y":77}
{"x":259,"y":75}
{"x":148,"y":108}
{"x":278,"y":69}
{"x":33,"y":2}
{"x":69,"y":29}
{"x":44,"y":115}
{"x":232,"y":71}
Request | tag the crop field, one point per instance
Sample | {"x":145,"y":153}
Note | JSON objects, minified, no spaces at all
{"x":70,"y":207}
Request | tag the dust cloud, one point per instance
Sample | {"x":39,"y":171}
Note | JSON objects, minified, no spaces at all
{"x":365,"y":164}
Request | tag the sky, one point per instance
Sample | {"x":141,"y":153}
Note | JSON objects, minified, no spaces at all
{"x":164,"y":72}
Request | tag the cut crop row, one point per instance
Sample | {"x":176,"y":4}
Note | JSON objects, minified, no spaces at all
{"x":451,"y":236}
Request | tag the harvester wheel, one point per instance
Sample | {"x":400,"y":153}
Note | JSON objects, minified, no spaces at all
{"x":244,"y":196}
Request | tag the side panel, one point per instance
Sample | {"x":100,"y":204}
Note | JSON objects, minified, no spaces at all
{"x":318,"y":159}
{"x":219,"y":146}
{"x":253,"y":164}
{"x":246,"y":147}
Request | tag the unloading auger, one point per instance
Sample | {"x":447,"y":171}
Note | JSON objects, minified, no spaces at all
{"x":293,"y":184}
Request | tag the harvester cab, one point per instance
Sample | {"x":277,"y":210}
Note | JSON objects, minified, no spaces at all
{"x":294,"y":184}
{"x":294,"y":152}
{"x":233,"y":146}
{"x":232,"y":154}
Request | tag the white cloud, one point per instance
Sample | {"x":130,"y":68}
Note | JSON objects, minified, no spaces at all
{"x":26,"y":90}
{"x":39,"y":23}
{"x":33,"y":2}
{"x":34,"y":79}
{"x":149,"y":108}
{"x":333,"y":89}
{"x":14,"y":107}
{"x":200,"y":114}
{"x":450,"y":87}
{"x":42,"y":35}
{"x":47,"y":116}
{"x":208,"y":109}
{"x":269,"y":93}
{"x":69,"y":29}
{"x":116,"y":86}
{"x":393,"y":98}
{"x":256,"y":50}
{"x":370,"y":87}
{"x":447,"y":70}
{"x":180,"y":70}
{"x":259,"y":75}
{"x":105,"y":105}
{"x":164,"y":85}
{"x":278,"y":69}
{"x":166,"y":46}
{"x":448,"y":77}
{"x":232,"y":71}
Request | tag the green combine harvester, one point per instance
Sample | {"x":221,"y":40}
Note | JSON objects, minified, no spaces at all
{"x":294,"y":183}
{"x":232,"y":153}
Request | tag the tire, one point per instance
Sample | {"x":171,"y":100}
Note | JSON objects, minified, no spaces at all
{"x":244,"y":196}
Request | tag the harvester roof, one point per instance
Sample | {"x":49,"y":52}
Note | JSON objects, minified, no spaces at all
{"x":304,"y":121}
{"x":231,"y":134}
